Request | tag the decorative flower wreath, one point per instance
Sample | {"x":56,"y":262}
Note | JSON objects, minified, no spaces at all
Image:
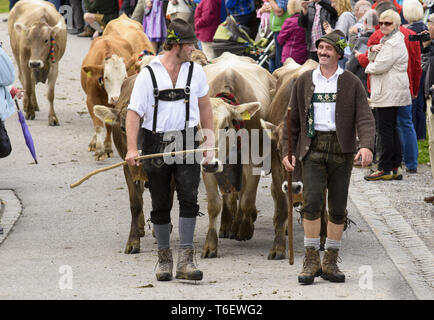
{"x":343,"y":44}
{"x":171,"y":34}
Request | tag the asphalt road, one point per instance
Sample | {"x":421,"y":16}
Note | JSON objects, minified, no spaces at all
{"x":68,"y":243}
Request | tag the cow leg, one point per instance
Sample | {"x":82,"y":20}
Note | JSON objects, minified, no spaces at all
{"x":277,"y":251}
{"x":214,"y":206}
{"x":137,"y":230}
{"x":29,"y":87}
{"x":96,"y":144}
{"x":108,"y":141}
{"x":228,"y":213}
{"x":248,"y":208}
{"x":52,"y":77}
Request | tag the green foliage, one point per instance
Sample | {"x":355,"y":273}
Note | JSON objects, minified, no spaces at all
{"x":423,"y":150}
{"x":4,"y":6}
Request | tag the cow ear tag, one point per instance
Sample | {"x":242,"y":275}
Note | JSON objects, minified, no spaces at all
{"x":108,"y":120}
{"x":246,"y":115}
{"x":89,"y":74}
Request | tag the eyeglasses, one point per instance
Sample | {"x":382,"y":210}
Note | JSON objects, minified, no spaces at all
{"x":386,"y":23}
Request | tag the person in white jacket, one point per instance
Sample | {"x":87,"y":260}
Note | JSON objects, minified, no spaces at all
{"x":390,"y":89}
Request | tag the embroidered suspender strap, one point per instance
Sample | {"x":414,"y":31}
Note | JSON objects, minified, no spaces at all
{"x":156,"y":96}
{"x":187,"y":94}
{"x":317,"y":98}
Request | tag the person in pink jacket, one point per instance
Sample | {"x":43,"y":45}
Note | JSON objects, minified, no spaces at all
{"x":292,"y":37}
{"x":206,"y":21}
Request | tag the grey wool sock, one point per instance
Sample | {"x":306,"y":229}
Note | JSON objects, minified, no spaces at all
{"x":332,"y":244}
{"x":186,"y":231}
{"x":312,"y":242}
{"x":162,"y":233}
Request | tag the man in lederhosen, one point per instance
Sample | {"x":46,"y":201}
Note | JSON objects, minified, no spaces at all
{"x":329,"y":108}
{"x":171,"y":95}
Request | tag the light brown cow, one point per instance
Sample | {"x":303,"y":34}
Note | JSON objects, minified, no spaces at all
{"x":38,"y":40}
{"x":132,"y":31}
{"x":251,"y":86}
{"x":107,"y":64}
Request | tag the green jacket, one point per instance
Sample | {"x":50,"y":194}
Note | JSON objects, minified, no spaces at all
{"x":109,"y":8}
{"x":277,"y":22}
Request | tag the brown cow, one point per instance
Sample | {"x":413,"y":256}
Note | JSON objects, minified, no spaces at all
{"x":132,"y":31}
{"x":38,"y":40}
{"x":107,"y":64}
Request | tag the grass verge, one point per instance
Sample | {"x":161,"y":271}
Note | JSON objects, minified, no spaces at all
{"x":4,"y":6}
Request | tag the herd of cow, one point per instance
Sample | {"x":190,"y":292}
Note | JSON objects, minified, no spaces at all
{"x":108,"y":72}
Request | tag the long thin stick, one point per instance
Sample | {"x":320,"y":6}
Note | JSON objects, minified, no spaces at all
{"x":290,"y":236}
{"x":148,"y":156}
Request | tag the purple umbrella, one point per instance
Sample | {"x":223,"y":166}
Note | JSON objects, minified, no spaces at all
{"x":26,"y":132}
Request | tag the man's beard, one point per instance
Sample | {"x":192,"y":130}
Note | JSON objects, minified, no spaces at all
{"x":178,"y":55}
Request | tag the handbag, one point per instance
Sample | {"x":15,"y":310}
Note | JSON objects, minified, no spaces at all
{"x":5,"y":143}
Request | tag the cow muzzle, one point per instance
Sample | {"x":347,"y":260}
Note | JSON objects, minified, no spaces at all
{"x":36,"y":64}
{"x":297,"y":187}
{"x":113,"y":100}
{"x":214,"y":166}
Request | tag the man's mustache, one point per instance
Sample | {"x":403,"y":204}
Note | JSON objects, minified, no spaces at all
{"x":324,"y":55}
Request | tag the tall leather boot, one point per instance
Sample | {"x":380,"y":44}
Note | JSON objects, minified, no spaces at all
{"x":186,"y":269}
{"x":165,"y":265}
{"x":330,"y":268}
{"x":311,"y":266}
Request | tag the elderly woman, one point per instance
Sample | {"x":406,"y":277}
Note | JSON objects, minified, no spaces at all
{"x":390,"y":90}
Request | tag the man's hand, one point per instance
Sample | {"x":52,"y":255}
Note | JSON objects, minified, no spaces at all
{"x":353,"y":29}
{"x":149,"y":3}
{"x":289,"y":166}
{"x":366,"y":155}
{"x":131,"y":156}
{"x":304,"y":5}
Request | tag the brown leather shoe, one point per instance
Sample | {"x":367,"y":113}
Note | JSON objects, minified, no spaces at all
{"x":311,"y":266}
{"x":330,"y":268}
{"x":88,"y":32}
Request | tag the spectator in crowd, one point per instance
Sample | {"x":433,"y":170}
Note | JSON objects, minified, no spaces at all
{"x":206,"y":22}
{"x":263,"y":14}
{"x":150,"y":13}
{"x":128,"y":7}
{"x":395,"y":4}
{"x":244,"y":12}
{"x":430,"y":73}
{"x":370,"y":21}
{"x":387,"y":66}
{"x":413,"y":13}
{"x":414,"y":71}
{"x":313,"y":13}
{"x":181,"y":9}
{"x":278,"y":15}
{"x":99,"y":13}
{"x":77,"y":15}
{"x":346,"y":17}
{"x":360,"y":8}
{"x":292,"y":37}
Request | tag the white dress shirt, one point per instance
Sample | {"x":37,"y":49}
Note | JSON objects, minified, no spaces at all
{"x":171,"y":114}
{"x":324,"y":113}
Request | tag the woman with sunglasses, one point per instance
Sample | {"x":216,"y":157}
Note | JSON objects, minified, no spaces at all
{"x":390,"y":89}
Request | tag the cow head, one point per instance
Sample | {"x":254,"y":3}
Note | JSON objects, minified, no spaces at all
{"x":279,"y":173}
{"x":40,"y":38}
{"x":110,"y":75}
{"x":225,"y":134}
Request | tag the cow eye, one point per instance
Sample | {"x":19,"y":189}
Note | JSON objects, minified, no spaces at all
{"x":46,"y":41}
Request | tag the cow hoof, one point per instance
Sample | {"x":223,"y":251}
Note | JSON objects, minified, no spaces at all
{"x":232,"y":235}
{"x":53,"y":121}
{"x":131,"y":250}
{"x":245,"y":232}
{"x":30,"y":116}
{"x":209,"y":254}
{"x":224,"y":235}
{"x":276,"y":256}
{"x":100,"y":156}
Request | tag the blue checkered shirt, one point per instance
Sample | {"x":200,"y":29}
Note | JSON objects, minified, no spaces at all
{"x":282,"y":4}
{"x":240,"y":7}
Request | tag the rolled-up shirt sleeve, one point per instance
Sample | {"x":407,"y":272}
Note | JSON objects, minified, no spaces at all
{"x":140,"y":96}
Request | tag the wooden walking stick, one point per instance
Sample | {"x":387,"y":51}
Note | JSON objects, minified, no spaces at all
{"x":290,"y":236}
{"x":148,"y":156}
